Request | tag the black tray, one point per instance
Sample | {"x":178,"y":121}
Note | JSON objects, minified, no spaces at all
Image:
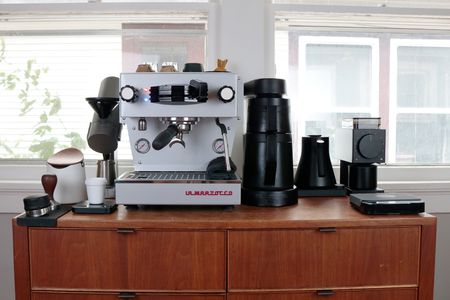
{"x":48,"y":220}
{"x":85,"y":208}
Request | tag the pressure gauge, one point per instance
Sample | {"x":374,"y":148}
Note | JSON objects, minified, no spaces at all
{"x":218,"y":146}
{"x":142,"y":146}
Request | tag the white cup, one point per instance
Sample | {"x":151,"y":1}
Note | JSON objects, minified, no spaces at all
{"x":95,"y":187}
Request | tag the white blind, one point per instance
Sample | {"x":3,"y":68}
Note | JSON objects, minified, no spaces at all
{"x":372,"y":3}
{"x":50,"y":109}
{"x":49,"y":64}
{"x":362,"y":22}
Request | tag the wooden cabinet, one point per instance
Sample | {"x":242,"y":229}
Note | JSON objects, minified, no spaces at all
{"x":127,"y":259}
{"x":387,"y":294}
{"x":118,"y":296}
{"x":311,"y":258}
{"x":318,"y":249}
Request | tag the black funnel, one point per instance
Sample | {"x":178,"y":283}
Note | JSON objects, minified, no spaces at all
{"x":102,"y":105}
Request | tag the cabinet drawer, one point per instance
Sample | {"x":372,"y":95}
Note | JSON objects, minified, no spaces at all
{"x":141,"y":260}
{"x":393,"y":294}
{"x":73,"y":296}
{"x":289,"y":259}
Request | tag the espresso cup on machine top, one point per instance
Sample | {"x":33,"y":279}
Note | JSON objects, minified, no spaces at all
{"x":95,"y":187}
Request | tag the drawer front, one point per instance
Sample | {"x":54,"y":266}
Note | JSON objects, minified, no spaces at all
{"x":400,"y":294}
{"x":141,"y":260}
{"x":289,"y":259}
{"x":73,"y":296}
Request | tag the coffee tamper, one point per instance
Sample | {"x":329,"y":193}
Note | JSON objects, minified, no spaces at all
{"x":37,"y":205}
{"x":49,"y":182}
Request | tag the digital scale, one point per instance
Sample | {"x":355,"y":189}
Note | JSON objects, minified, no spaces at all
{"x":385,"y":203}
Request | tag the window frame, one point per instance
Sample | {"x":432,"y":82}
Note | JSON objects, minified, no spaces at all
{"x":394,"y":110}
{"x":305,"y":40}
{"x":432,"y":180}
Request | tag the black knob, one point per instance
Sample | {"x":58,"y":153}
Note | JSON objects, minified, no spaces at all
{"x":128,"y":93}
{"x":370,"y":146}
{"x":226,"y":93}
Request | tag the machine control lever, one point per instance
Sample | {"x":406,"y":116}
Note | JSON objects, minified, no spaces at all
{"x":223,"y":130}
{"x":164,"y":137}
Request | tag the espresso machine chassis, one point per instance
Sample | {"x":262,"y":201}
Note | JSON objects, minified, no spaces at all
{"x":175,"y":174}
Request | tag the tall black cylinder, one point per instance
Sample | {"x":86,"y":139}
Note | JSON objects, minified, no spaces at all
{"x":268,"y":174}
{"x":362,"y":177}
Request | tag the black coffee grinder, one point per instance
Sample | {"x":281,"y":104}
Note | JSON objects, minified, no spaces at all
{"x":360,"y":146}
{"x":268,"y":174}
{"x":104,"y":130}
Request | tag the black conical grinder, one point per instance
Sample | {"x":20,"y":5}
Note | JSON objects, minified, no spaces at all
{"x":268,"y":169}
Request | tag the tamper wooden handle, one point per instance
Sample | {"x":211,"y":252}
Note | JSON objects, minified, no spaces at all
{"x":49,"y":184}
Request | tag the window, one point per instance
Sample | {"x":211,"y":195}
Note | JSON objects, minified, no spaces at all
{"x":49,"y":64}
{"x":341,"y":65}
{"x":336,"y":78}
{"x":420,"y":88}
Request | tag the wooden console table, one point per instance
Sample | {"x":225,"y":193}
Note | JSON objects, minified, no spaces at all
{"x":318,"y":249}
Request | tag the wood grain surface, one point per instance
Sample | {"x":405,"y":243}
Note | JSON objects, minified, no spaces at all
{"x":141,"y":260}
{"x":21,"y":262}
{"x":427,"y":263}
{"x":309,"y":212}
{"x":380,"y":294}
{"x":196,"y":253}
{"x":293,"y":259}
{"x":98,"y":296}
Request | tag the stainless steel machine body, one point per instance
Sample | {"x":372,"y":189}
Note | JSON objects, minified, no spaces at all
{"x":197,"y":141}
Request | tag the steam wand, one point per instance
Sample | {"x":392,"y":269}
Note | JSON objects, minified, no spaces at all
{"x":223,"y":129}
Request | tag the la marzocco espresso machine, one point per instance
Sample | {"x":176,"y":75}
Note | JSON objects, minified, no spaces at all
{"x":181,"y":128}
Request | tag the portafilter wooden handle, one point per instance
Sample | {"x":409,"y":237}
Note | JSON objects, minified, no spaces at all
{"x":49,"y":184}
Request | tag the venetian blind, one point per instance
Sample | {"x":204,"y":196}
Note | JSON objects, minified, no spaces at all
{"x":49,"y":64}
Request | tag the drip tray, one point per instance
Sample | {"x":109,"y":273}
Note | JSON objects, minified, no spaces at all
{"x":165,"y":177}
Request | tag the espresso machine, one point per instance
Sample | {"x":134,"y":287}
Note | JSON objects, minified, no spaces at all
{"x":360,"y":146}
{"x":181,"y":128}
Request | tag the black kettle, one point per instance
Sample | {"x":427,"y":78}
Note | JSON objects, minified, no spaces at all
{"x":314,"y":169}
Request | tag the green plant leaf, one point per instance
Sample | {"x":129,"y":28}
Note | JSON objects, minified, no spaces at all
{"x":43,"y":118}
{"x":27,"y":107}
{"x":44,"y":148}
{"x":42,"y":130}
{"x":28,"y":70}
{"x":53,"y":101}
{"x":11,"y":81}
{"x":76,"y":140}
